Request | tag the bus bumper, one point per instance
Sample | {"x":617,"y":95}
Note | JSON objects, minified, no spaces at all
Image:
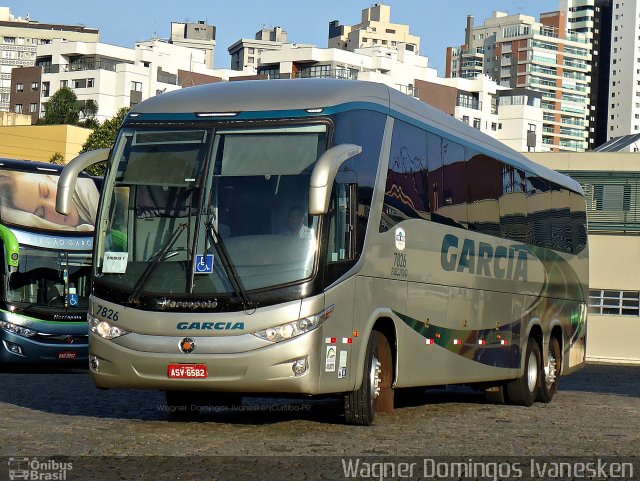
{"x":264,"y":370}
{"x":50,"y":348}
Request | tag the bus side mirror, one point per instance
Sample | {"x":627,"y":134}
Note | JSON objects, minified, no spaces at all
{"x":69,"y":176}
{"x":324,"y":173}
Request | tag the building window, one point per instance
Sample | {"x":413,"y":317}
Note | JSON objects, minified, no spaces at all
{"x":18,"y":108}
{"x":465,"y":119}
{"x":250,"y":51}
{"x":136,"y":86}
{"x":35,"y":86}
{"x":10,"y":40}
{"x":64,"y":83}
{"x":33,"y":108}
{"x":612,"y":197}
{"x":20,"y":87}
{"x":91,"y":82}
{"x":476,"y":123}
{"x":251,"y":59}
{"x":614,"y":302}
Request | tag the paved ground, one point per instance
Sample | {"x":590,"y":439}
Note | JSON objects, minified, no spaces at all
{"x":46,"y":413}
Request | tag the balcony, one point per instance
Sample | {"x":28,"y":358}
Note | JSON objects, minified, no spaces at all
{"x":326,"y":72}
{"x":468,"y":103}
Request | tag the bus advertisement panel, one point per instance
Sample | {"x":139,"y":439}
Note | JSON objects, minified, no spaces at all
{"x":45,"y":264}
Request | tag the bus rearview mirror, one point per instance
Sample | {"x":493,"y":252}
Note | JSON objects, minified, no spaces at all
{"x":324,"y":173}
{"x":69,"y":176}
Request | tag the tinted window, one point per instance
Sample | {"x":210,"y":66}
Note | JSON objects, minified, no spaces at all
{"x":364,"y":128}
{"x":561,"y":219}
{"x":483,"y":176}
{"x":448,"y":181}
{"x":538,"y":206}
{"x":407,"y":188}
{"x":513,"y":204}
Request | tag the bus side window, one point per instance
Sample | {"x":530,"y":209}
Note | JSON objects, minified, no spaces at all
{"x":342,"y":220}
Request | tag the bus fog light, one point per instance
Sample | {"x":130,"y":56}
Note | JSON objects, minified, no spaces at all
{"x":94,"y":364}
{"x":300,"y":367}
{"x":13,"y":348}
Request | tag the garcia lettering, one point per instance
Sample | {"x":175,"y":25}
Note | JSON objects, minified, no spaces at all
{"x":483,"y":259}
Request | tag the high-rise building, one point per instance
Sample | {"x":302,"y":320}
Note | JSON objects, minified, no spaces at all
{"x":624,"y":94}
{"x":19,"y":39}
{"x":518,"y":51}
{"x":112,"y":76}
{"x":375,"y":29}
{"x":245,"y":53}
{"x":593,"y":19}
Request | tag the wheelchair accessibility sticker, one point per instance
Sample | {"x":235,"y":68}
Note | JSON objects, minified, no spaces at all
{"x":204,"y":264}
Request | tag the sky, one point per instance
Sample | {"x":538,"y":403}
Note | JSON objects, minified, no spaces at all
{"x":439,"y":23}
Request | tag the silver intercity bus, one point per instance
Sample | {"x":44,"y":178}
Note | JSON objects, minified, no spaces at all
{"x":307,"y":237}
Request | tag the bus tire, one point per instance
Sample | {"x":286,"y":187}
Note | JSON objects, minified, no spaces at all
{"x":550,"y":374}
{"x":360,"y":406}
{"x":524,"y":390}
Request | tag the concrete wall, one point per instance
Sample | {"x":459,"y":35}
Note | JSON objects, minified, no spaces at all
{"x":40,"y":142}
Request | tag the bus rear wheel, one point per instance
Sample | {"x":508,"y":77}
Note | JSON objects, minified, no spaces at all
{"x":550,"y":374}
{"x":524,"y":390}
{"x":375,"y":394}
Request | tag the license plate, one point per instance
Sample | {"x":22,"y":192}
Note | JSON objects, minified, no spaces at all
{"x":187,"y":371}
{"x":67,"y":355}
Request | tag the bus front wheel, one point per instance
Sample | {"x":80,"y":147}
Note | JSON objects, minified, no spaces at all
{"x":524,"y":390}
{"x":376,"y":392}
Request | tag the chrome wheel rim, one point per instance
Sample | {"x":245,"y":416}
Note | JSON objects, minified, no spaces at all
{"x":532,"y":372}
{"x":374,"y":378}
{"x":550,"y":374}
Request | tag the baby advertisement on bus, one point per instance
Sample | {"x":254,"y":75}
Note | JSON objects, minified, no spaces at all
{"x":28,"y":199}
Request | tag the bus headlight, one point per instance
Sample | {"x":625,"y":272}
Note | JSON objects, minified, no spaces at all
{"x":16,"y":329}
{"x":104,"y":329}
{"x":295,"y":328}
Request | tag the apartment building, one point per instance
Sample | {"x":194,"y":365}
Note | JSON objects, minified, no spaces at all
{"x":624,"y":94}
{"x":245,"y":53}
{"x":519,"y":52}
{"x":19,"y":40}
{"x":374,"y":29}
{"x":112,"y":76}
{"x":396,"y":68}
{"x":197,"y":36}
{"x":512,"y":116}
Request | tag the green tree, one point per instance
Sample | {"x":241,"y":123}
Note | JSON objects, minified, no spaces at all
{"x":63,"y":108}
{"x":89,"y":111}
{"x":104,"y":136}
{"x":57,"y":158}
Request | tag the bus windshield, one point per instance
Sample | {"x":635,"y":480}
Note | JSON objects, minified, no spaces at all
{"x":209,"y":209}
{"x":50,"y":279}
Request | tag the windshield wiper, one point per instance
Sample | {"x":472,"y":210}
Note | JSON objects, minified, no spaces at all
{"x":232,"y":274}
{"x":153,"y":264}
